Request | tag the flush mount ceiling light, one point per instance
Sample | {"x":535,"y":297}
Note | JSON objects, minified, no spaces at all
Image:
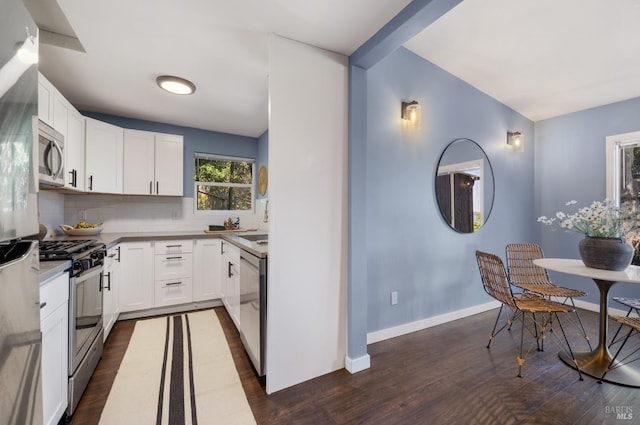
{"x":27,"y":50}
{"x":175,"y":85}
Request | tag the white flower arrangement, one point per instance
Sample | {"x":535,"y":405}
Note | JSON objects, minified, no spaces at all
{"x":601,"y":220}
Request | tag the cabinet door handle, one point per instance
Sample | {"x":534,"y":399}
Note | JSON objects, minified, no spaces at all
{"x":108,"y":287}
{"x":174,"y":246}
{"x":90,"y":182}
{"x":174,"y":258}
{"x":43,"y":305}
{"x":150,"y":187}
{"x":229,"y":274}
{"x":221,"y":247}
{"x":75,"y":178}
{"x":118,"y":254}
{"x":101,"y":282}
{"x":157,"y":188}
{"x":172,"y":283}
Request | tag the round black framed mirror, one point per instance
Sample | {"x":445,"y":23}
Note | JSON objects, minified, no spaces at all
{"x":464,"y":186}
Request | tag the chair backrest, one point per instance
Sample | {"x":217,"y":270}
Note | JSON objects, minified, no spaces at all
{"x":494,"y":278}
{"x":520,"y":265}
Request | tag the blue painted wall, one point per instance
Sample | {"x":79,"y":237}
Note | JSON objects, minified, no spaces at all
{"x":409,"y":248}
{"x":263,"y":159}
{"x":195,"y":140}
{"x":570,"y":164}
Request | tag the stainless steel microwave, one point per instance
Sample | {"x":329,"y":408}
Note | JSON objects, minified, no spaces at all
{"x":51,"y":155}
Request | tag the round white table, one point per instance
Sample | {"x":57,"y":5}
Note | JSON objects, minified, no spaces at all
{"x":594,"y":362}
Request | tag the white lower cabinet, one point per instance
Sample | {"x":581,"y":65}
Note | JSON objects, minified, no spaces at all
{"x":169,"y":272}
{"x":54,"y":325}
{"x":207,"y":269}
{"x":231,"y":281}
{"x":173,"y":272}
{"x":110,"y":289}
{"x":173,"y":291}
{"x":136,"y":281}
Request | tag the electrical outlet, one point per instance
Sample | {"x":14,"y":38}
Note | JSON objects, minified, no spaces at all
{"x":394,"y":298}
{"x":82,"y":214}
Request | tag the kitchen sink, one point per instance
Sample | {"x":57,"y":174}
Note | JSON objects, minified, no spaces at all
{"x":256,"y":238}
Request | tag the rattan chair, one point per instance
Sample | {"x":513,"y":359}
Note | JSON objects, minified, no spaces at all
{"x":524,"y":274}
{"x":634,"y":326}
{"x":496,"y":284}
{"x":633,"y":304}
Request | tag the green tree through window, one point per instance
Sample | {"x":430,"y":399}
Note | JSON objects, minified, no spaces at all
{"x":223,"y":183}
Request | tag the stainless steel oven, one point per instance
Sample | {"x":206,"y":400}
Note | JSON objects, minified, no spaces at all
{"x":85,"y":308}
{"x":85,"y":330}
{"x":51,"y":155}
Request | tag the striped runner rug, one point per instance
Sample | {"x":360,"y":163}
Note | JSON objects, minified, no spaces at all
{"x":177,"y":370}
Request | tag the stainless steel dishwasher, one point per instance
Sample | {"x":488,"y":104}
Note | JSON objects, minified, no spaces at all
{"x":253,"y":308}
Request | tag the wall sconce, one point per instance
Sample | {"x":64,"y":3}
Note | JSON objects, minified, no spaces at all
{"x":516,"y":141}
{"x":410,"y":111}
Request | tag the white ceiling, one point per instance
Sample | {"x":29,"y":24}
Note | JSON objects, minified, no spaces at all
{"x":542,"y":58}
{"x":219,"y":45}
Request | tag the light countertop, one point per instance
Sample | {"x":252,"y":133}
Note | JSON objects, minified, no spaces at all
{"x":111,"y":239}
{"x":49,"y":269}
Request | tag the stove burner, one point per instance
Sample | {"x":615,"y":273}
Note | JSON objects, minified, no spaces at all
{"x":67,"y":250}
{"x":64,"y":247}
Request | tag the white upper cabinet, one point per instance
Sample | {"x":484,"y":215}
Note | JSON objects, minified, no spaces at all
{"x":55,"y":110}
{"x":45,"y":99}
{"x":169,"y":164}
{"x":74,"y":151}
{"x":138,"y":163}
{"x":60,"y":113}
{"x":104,"y":147}
{"x":153,"y":163}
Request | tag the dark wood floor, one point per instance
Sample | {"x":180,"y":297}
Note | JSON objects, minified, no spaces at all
{"x":441,"y":375}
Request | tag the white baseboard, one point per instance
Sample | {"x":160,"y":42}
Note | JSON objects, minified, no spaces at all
{"x":407,"y":328}
{"x":357,"y":365}
{"x":596,"y":307}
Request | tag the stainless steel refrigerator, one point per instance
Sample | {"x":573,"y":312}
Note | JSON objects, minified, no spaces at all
{"x":20,"y":338}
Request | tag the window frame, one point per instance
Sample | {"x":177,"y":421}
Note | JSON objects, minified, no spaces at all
{"x":251,"y":185}
{"x":614,"y":145}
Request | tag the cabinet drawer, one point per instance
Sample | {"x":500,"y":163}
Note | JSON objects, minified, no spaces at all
{"x":53,"y":293}
{"x":173,"y":266}
{"x":173,"y":291}
{"x":173,"y":247}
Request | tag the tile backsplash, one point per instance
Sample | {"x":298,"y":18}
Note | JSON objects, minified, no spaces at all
{"x":123,"y":213}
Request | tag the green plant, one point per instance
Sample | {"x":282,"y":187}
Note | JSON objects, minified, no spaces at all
{"x":602,"y":219}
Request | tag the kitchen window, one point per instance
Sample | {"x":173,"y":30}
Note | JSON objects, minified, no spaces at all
{"x":223,"y":183}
